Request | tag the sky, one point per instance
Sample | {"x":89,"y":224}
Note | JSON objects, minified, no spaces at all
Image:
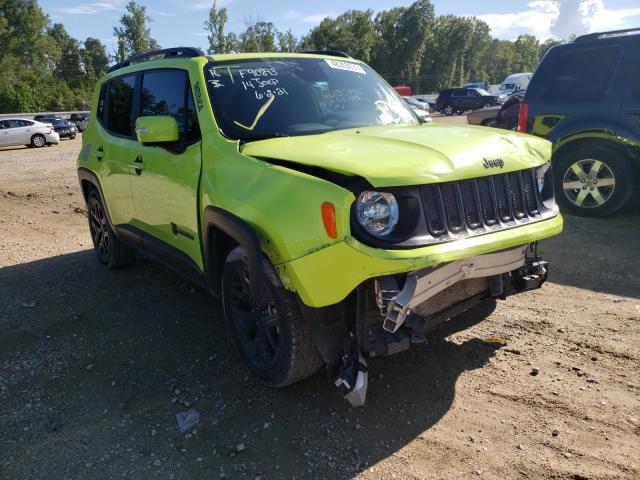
{"x":180,"y":22}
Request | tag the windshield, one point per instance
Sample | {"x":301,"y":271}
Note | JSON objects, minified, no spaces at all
{"x":263,"y":98}
{"x":507,"y":86}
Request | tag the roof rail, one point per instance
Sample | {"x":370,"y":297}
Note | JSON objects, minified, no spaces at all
{"x":166,"y":53}
{"x":602,"y":35}
{"x":333,"y":53}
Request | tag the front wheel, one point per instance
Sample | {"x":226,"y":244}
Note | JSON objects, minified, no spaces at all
{"x":108,"y":248}
{"x":274,"y":341}
{"x":448,"y":109}
{"x":593,"y":181}
{"x":491,"y":122}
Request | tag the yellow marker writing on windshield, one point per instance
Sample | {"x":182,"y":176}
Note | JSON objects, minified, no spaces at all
{"x":261,"y":112}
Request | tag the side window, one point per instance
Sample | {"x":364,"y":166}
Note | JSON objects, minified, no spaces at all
{"x":120,"y":105}
{"x":458,"y":93}
{"x":4,"y":124}
{"x":583,"y":75}
{"x":101,"y":102}
{"x":167,"y":92}
{"x":14,"y":123}
{"x":472,"y":93}
{"x":25,"y":123}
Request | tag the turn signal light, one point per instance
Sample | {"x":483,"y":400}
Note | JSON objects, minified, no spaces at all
{"x":329,"y":219}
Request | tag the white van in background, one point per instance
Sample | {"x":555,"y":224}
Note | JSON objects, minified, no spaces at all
{"x":515,"y":82}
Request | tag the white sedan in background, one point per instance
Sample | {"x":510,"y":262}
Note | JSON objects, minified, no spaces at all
{"x":19,"y":131}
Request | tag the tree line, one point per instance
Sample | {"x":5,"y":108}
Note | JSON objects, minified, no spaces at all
{"x":45,"y":69}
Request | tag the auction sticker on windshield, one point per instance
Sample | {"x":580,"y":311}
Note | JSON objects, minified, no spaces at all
{"x":348,"y":66}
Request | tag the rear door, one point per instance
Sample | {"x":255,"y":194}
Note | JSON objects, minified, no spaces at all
{"x":576,"y":89}
{"x":165,"y":187}
{"x":25,"y":131}
{"x":629,"y":121}
{"x":116,"y":142}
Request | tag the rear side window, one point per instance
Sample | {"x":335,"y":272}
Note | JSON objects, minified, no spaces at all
{"x":167,"y":92}
{"x":120,"y":105}
{"x":102,"y":102}
{"x":583,"y":75}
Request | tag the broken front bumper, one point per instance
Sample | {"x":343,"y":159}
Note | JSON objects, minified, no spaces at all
{"x":396,"y":304}
{"x":397,"y":310}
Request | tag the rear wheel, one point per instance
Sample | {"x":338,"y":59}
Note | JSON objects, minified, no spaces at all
{"x":593,"y":181}
{"x":38,"y":141}
{"x":274,"y":342}
{"x":109,"y":249}
{"x":490,"y":122}
{"x":448,"y":109}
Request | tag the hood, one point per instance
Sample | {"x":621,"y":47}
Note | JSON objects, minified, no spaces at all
{"x":399,"y":155}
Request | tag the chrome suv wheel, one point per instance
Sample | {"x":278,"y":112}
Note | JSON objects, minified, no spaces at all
{"x":589,"y":183}
{"x":593,"y":180}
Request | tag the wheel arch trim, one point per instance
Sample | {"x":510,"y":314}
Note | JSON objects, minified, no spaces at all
{"x":217,"y":219}
{"x":88,"y":176}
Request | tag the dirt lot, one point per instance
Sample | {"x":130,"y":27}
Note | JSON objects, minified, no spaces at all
{"x":95,"y":364}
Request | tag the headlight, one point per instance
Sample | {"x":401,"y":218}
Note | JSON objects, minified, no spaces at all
{"x":377,"y":212}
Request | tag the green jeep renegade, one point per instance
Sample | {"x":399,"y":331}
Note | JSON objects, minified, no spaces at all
{"x":305,"y":193}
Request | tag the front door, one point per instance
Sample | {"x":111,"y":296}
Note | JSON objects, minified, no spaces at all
{"x":165,"y":186}
{"x":12,"y":133}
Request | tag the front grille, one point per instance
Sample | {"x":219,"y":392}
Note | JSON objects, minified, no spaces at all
{"x":473,"y":207}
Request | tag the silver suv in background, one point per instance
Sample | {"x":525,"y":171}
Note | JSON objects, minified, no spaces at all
{"x":20,"y":131}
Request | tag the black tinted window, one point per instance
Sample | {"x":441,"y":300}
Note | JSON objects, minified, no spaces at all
{"x":120,"y":105}
{"x":583,"y":75}
{"x":101,"y":102}
{"x":4,"y":124}
{"x":166,"y":93}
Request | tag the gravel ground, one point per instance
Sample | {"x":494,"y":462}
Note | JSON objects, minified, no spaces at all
{"x":95,"y":365}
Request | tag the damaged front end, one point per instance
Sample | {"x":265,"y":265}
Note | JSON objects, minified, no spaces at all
{"x":386,"y":315}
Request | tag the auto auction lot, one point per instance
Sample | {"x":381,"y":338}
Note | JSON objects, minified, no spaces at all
{"x":95,"y":364}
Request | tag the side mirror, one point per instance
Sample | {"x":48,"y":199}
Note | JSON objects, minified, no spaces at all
{"x":157,"y":130}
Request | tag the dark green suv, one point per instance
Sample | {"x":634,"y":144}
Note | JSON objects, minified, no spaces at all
{"x":585,"y":98}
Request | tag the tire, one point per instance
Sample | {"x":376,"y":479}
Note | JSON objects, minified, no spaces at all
{"x":274,"y":344}
{"x":73,"y":137}
{"x":602,"y":177}
{"x":459,"y":111}
{"x":109,"y":249}
{"x":448,"y":109}
{"x":38,"y":141}
{"x":491,"y":122}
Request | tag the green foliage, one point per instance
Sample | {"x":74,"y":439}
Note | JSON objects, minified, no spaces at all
{"x":259,"y":37}
{"x":133,"y":34}
{"x":351,"y":32}
{"x":287,"y":42}
{"x":44,"y":68}
{"x":219,"y":42}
